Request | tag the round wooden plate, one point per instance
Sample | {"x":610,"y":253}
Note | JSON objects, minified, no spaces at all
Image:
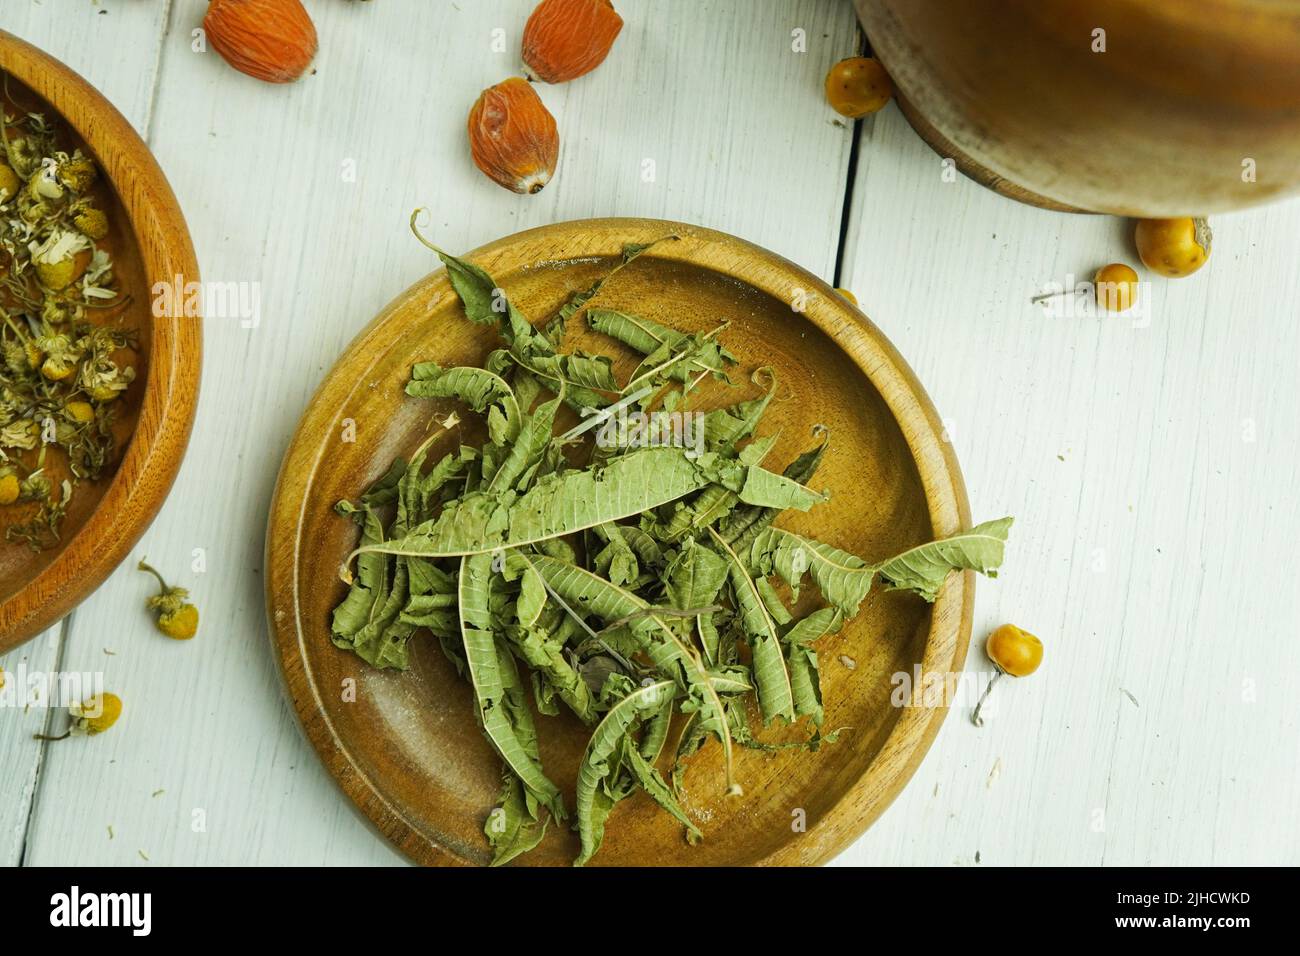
{"x":149,"y":244}
{"x":405,"y":746}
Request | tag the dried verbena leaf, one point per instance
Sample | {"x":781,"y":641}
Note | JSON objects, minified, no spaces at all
{"x":355,"y":611}
{"x":682,"y":360}
{"x":598,"y":769}
{"x":638,"y":333}
{"x":693,"y":579}
{"x":923,"y":569}
{"x":593,"y":594}
{"x":616,"y":561}
{"x":513,"y":827}
{"x":501,"y":705}
{"x":478,"y":388}
{"x":743,"y":526}
{"x":710,"y":506}
{"x":725,"y":427}
{"x":384,"y":490}
{"x":845,"y":579}
{"x":485,"y":302}
{"x":630,"y":252}
{"x":648,"y":777}
{"x":529,"y":445}
{"x":805,"y":681}
{"x":545,"y":655}
{"x":775,"y":696}
{"x":561,"y":504}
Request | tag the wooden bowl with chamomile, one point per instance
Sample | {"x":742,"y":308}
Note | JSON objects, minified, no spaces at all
{"x":148,"y":243}
{"x":405,"y":747}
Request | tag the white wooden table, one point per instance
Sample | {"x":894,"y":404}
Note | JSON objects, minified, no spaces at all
{"x":1152,"y":470}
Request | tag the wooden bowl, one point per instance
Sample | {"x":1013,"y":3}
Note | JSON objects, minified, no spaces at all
{"x":1159,"y":124}
{"x":407,"y":749}
{"x":149,"y":243}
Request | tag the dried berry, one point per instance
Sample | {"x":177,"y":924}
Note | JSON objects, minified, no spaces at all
{"x":1173,"y":247}
{"x":858,"y":87}
{"x":271,"y":40}
{"x":566,"y":38}
{"x":513,"y":136}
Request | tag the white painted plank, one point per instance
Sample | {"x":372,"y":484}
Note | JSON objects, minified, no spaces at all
{"x":741,"y":141}
{"x":114,"y":44}
{"x":23,"y":712}
{"x":90,"y":38}
{"x":1154,"y":544}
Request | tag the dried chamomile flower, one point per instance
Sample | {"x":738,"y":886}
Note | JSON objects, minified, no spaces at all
{"x":103,"y":381}
{"x":61,"y":356}
{"x":10,"y":184}
{"x":92,"y":716}
{"x":9,"y":486}
{"x":81,"y":412}
{"x":177,"y":618}
{"x":77,"y":173}
{"x":59,"y":261}
{"x":92,"y":222}
{"x":23,"y":434}
{"x":44,"y":183}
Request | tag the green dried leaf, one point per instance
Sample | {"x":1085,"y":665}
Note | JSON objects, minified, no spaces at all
{"x":775,"y":696}
{"x":596,"y":775}
{"x":924,"y":568}
{"x":501,"y":704}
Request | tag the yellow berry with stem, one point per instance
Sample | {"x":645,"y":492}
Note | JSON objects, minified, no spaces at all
{"x":1013,"y":651}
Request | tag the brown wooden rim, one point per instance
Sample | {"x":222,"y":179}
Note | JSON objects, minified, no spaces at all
{"x":149,"y":465}
{"x":945,"y":492}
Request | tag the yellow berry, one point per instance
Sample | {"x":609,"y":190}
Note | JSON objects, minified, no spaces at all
{"x":181,"y":624}
{"x":1173,"y":247}
{"x":81,"y":411}
{"x":96,"y":714}
{"x":848,"y":295}
{"x":1014,"y":651}
{"x":9,"y":489}
{"x":858,"y":87}
{"x":1117,"y":287}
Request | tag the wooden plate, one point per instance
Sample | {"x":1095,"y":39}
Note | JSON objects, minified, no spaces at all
{"x":149,"y":243}
{"x":405,"y":747}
